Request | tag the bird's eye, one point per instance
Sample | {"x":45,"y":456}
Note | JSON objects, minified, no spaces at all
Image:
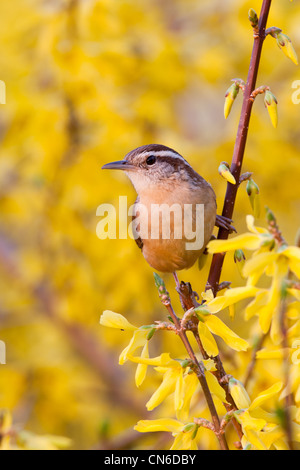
{"x":151,"y":160}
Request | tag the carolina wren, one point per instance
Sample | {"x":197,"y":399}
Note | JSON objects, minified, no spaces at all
{"x":160,"y":175}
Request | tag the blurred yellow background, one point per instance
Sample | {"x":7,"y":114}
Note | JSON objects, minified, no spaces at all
{"x":87,"y":81}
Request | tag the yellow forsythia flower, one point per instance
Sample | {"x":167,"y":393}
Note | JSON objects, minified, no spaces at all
{"x":115,"y":320}
{"x":207,"y":340}
{"x":254,"y":419}
{"x":265,"y":395}
{"x":217,"y":327}
{"x":138,"y":340}
{"x":231,"y":297}
{"x":141,"y":369}
{"x":5,"y":426}
{"x":215,"y":387}
{"x":157,"y":425}
{"x":184,"y":433}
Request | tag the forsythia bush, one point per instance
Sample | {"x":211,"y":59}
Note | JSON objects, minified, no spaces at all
{"x":264,"y":416}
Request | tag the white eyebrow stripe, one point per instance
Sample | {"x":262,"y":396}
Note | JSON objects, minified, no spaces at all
{"x":164,"y":153}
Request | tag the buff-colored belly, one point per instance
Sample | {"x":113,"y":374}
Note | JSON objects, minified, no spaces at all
{"x":169,"y":247}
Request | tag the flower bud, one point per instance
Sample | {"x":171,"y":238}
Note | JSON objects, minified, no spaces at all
{"x":151,"y":333}
{"x":185,"y":363}
{"x":271,"y":105}
{"x":239,"y":259}
{"x":239,"y":256}
{"x":239,"y":394}
{"x":252,"y":187}
{"x":253,"y":18}
{"x":230,"y":96}
{"x":162,"y":291}
{"x":285,"y":44}
{"x":253,"y":193}
{"x":271,"y":219}
{"x":189,"y":427}
{"x":224,"y":171}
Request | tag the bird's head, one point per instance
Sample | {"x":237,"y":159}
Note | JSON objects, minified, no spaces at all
{"x":153,"y":165}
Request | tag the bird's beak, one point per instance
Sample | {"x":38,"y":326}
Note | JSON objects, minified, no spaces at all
{"x":120,"y":165}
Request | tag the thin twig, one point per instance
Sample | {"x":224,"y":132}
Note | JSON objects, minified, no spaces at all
{"x":200,"y":374}
{"x":190,"y":322}
{"x":231,"y":193}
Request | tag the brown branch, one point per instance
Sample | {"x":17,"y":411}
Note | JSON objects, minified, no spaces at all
{"x":201,"y":422}
{"x":190,"y":322}
{"x":188,"y":302}
{"x":240,"y":144}
{"x":184,"y":290}
{"x":200,"y":375}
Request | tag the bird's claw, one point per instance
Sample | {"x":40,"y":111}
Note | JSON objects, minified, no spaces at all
{"x":224,"y":285}
{"x":225,"y":222}
{"x":196,"y":295}
{"x":221,"y":286}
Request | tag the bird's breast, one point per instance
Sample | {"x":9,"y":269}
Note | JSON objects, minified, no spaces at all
{"x":174,"y":225}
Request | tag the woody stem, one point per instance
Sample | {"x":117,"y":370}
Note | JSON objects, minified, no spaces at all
{"x":240,"y":144}
{"x":201,"y":377}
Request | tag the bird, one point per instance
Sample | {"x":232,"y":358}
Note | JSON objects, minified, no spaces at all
{"x":160,"y":175}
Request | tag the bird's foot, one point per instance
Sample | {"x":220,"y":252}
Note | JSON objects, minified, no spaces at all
{"x":225,"y":222}
{"x":221,"y":286}
{"x":188,"y":297}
